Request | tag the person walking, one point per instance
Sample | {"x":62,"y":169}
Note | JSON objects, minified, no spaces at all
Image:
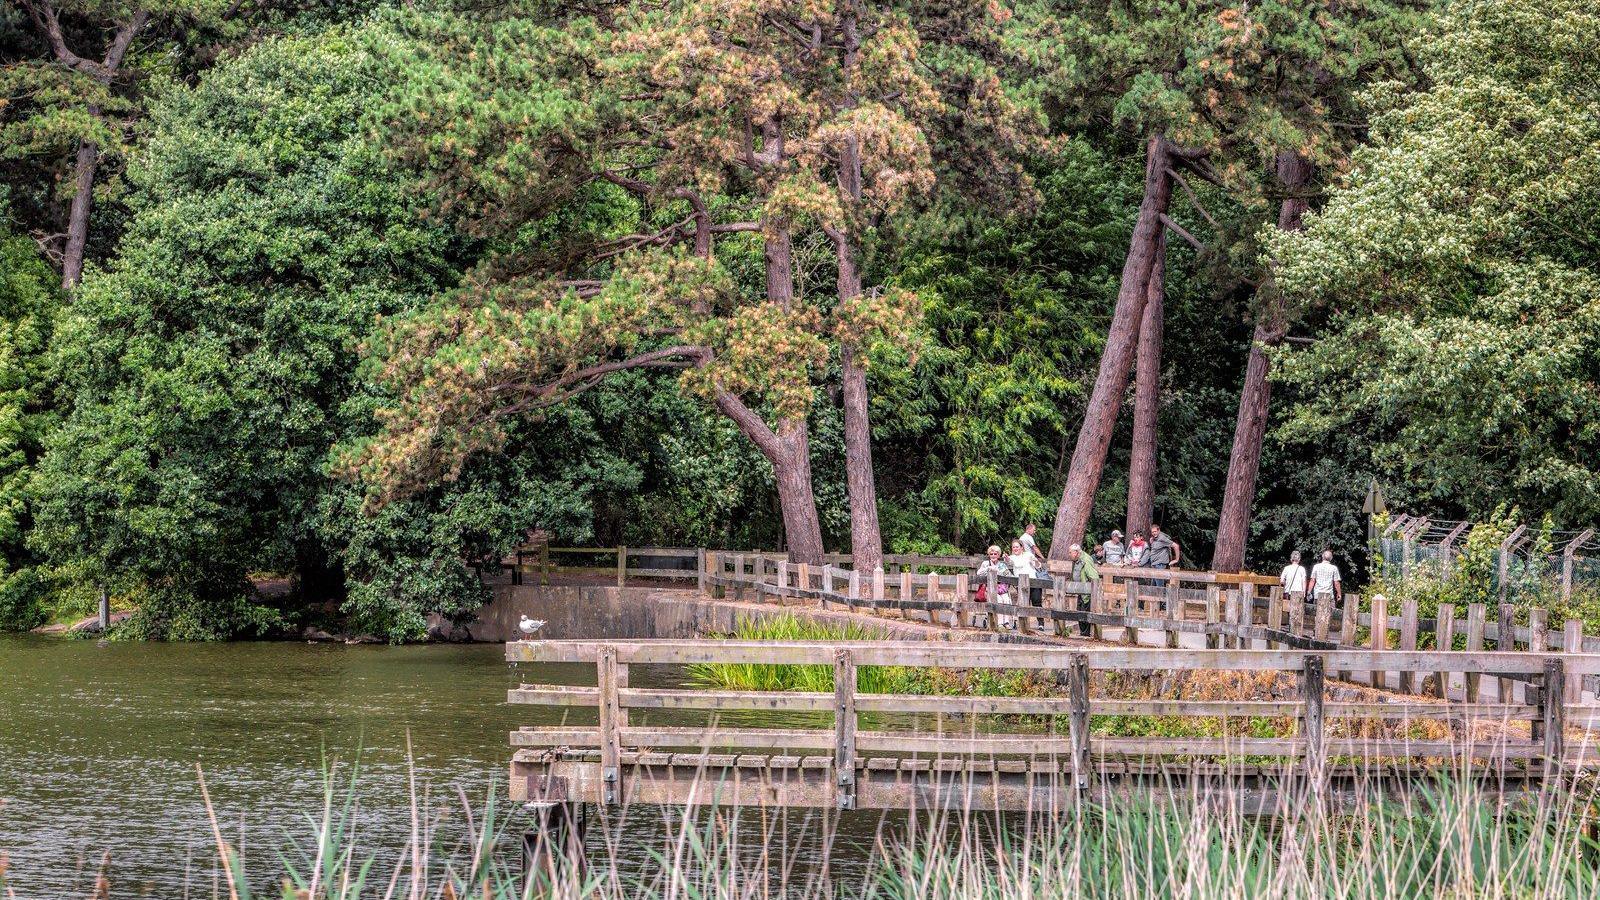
{"x":1116,"y":550}
{"x":1325,"y":579}
{"x":1293,"y":578}
{"x":1164,"y":552}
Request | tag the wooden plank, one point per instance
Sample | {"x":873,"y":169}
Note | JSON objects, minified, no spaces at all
{"x":1036,"y":656}
{"x":1475,"y":616}
{"x":1408,"y":641}
{"x":844,"y":728}
{"x":1444,"y":641}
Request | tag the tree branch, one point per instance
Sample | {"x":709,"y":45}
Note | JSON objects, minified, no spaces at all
{"x":1179,"y":230}
{"x":580,"y":380}
{"x":1193,"y":199}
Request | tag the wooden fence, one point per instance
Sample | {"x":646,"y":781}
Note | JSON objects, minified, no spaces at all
{"x":621,"y":759}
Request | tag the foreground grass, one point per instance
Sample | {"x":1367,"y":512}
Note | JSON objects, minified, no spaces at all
{"x":1448,"y":838}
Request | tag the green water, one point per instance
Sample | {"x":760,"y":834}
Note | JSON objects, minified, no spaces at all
{"x":99,"y":744}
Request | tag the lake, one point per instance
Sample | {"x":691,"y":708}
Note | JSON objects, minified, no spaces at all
{"x":99,"y":743}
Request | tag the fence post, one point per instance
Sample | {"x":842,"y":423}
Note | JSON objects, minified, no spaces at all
{"x":1230,"y":618}
{"x":1572,"y":642}
{"x":622,"y":566}
{"x":1538,"y":642}
{"x":1297,"y":616}
{"x":877,"y":592}
{"x":610,"y":724}
{"x":1475,"y":619}
{"x":908,"y":591}
{"x":991,"y":587}
{"x":1567,"y":554}
{"x":1078,"y":723}
{"x":1275,"y":600}
{"x":1311,"y":678}
{"x":1174,"y":608}
{"x":700,"y":568}
{"x":1349,"y":620}
{"x":1380,"y":636}
{"x":1554,"y":718}
{"x":1408,"y":641}
{"x":963,"y":597}
{"x":1097,"y":604}
{"x":1444,"y":638}
{"x":1506,"y":547}
{"x":1025,"y":601}
{"x":1506,"y":640}
{"x":1213,"y":613}
{"x":854,"y":589}
{"x":933,"y":595}
{"x":1322,"y":610}
{"x":844,"y":728}
{"x":805,"y":580}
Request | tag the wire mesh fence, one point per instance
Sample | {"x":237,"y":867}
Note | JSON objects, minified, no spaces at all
{"x":1517,"y":561}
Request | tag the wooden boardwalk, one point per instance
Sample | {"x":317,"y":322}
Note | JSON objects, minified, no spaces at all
{"x":956,"y":754}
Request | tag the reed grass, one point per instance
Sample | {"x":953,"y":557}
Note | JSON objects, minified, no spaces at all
{"x":790,"y":677}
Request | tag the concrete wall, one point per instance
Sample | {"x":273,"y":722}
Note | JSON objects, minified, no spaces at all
{"x":580,"y":612}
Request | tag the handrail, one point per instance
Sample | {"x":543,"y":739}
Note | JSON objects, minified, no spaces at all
{"x":619,"y":739}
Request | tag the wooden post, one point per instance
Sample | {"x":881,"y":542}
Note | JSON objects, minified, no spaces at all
{"x":1275,"y":599}
{"x":805,"y":579}
{"x":1297,"y":617}
{"x":1506,"y":640}
{"x":1380,"y":635}
{"x":1097,"y":604}
{"x":1475,"y":617}
{"x":1174,"y":609}
{"x":993,"y":588}
{"x":1322,"y":609}
{"x":622,"y":566}
{"x":854,"y":589}
{"x":610,"y":724}
{"x":1078,"y":722}
{"x":908,"y":591}
{"x":1444,"y":630}
{"x":552,"y":844}
{"x":700,"y":569}
{"x":1025,"y":601}
{"x":844,"y":728}
{"x":1408,"y":641}
{"x":1311,"y":678}
{"x":783,"y":581}
{"x":1213,"y":614}
{"x":963,"y":596}
{"x":1554,"y":718}
{"x":1538,"y":642}
{"x":933,"y":595}
{"x":1230,"y":619}
{"x":738,"y":576}
{"x":1572,"y":642}
{"x":1349,"y":619}
{"x":877,"y":592}
{"x":1132,"y":599}
{"x":105,"y":611}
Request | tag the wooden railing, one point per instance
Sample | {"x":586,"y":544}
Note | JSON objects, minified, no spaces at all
{"x":1229,"y":610}
{"x":1068,"y":747}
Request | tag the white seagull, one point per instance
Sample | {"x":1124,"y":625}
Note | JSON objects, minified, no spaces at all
{"x":530,"y":626}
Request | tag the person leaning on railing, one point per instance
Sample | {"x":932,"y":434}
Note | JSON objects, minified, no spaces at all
{"x":1083,"y":569}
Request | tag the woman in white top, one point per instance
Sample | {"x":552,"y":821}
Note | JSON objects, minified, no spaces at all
{"x":1021,"y":561}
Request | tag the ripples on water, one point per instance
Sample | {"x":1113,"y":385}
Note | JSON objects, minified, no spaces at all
{"x":98,"y":746}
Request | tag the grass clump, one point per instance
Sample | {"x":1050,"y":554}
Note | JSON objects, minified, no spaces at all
{"x":814,"y":678}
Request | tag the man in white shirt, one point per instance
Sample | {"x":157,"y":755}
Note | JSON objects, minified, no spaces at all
{"x":1293,"y":578}
{"x":1325,"y":578}
{"x":1030,"y":545}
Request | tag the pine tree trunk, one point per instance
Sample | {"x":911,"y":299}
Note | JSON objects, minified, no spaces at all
{"x":801,"y":526}
{"x":78,"y":218}
{"x":1105,"y":400}
{"x":866,"y":542}
{"x":1147,"y":397}
{"x":1249,"y":431}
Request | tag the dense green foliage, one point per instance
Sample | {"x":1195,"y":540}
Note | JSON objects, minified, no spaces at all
{"x":353,"y":267}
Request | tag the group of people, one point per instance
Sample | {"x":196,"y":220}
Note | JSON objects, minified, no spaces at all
{"x":1159,"y":551}
{"x":1322,"y":583}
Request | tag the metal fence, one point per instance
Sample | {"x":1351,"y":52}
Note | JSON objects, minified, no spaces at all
{"x":1523,"y":563}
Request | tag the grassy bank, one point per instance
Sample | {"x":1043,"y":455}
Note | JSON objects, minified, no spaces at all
{"x":1442,"y":839}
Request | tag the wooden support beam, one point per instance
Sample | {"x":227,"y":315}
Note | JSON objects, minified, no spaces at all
{"x":1554,"y":722}
{"x":1572,"y":642}
{"x":1078,"y":723}
{"x":1380,"y":635}
{"x":610,"y":723}
{"x":844,"y":728}
{"x":1506,"y":641}
{"x":1408,"y":641}
{"x":1311,"y":679}
{"x":1538,"y":642}
{"x":622,"y":567}
{"x":1444,"y":630}
{"x":1475,"y":628}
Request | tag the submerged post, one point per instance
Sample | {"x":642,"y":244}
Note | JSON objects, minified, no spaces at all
{"x":1311,"y":677}
{"x":553,"y":844}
